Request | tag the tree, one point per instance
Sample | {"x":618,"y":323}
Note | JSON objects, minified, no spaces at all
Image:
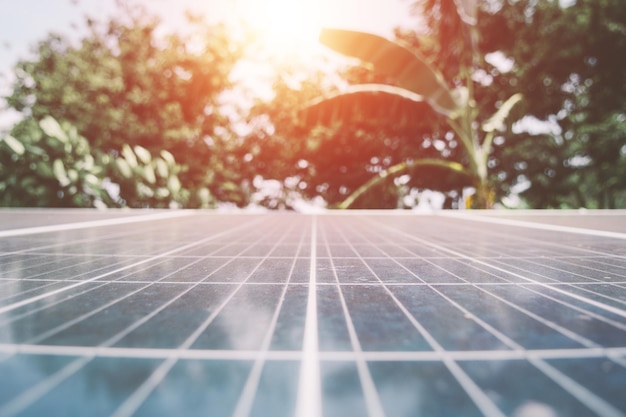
{"x":567,"y":65}
{"x":46,"y":165}
{"x":334,"y":160}
{"x":563,"y":62}
{"x":126,"y":85}
{"x":51,"y":165}
{"x":415,"y":83}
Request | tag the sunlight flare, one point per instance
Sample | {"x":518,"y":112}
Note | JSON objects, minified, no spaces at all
{"x":284,"y":26}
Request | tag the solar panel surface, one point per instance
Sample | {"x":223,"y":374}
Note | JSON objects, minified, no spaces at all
{"x":161,"y":313}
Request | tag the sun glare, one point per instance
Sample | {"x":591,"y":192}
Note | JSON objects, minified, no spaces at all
{"x":284,"y":26}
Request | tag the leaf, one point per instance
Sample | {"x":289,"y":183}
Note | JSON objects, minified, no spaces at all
{"x":468,"y":10}
{"x":148,"y":173}
{"x":408,"y":70}
{"x":92,"y":180}
{"x":173,"y":183}
{"x":204,"y":195}
{"x":370,"y":103}
{"x":88,"y":163}
{"x":143,"y":154}
{"x":229,"y":186}
{"x":15,"y":145}
{"x":28,"y":182}
{"x":53,"y":129}
{"x":36,"y":150}
{"x":44,"y":170}
{"x":161,"y":168}
{"x":60,"y":173}
{"x":124,"y":168}
{"x":72,"y":174}
{"x":129,"y":156}
{"x":162,"y":192}
{"x":144,"y":191}
{"x":496,"y":122}
{"x":168,"y":157}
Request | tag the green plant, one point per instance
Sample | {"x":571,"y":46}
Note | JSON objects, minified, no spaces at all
{"x":128,"y":84}
{"x":49,"y":164}
{"x":46,"y":164}
{"x":417,"y":84}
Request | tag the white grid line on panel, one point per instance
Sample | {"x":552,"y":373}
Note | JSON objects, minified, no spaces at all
{"x":587,"y":397}
{"x":91,"y":224}
{"x":478,"y":396}
{"x":587,"y":300}
{"x":309,"y":397}
{"x":296,"y":355}
{"x":30,"y":396}
{"x":132,"y":403}
{"x":538,"y":226}
{"x":488,"y":265}
{"x":587,"y":267}
{"x":463,"y":230}
{"x":382,"y":238}
{"x":246,"y":399}
{"x":152,"y":258}
{"x":44,"y":386}
{"x":579,"y":285}
{"x":372,"y":400}
{"x":467,"y":313}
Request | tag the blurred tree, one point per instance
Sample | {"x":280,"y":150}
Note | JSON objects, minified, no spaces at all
{"x":335,"y":160}
{"x":415,"y":91}
{"x":409,"y":105}
{"x":126,"y":84}
{"x":566,"y":149}
{"x":48,"y":164}
{"x":567,"y":60}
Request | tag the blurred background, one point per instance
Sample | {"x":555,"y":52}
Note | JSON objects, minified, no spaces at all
{"x":225,"y":104}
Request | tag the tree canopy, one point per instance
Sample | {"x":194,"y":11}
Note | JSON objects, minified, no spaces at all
{"x":566,"y":147}
{"x":125,"y":84}
{"x":565,"y":62}
{"x":130,"y":115}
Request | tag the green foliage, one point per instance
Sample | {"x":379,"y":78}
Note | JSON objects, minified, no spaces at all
{"x":445,"y":40}
{"x":335,"y":159}
{"x":145,"y":180}
{"x":51,"y":165}
{"x":141,"y":120}
{"x":400,"y":168}
{"x":130,"y":89}
{"x":406,"y":68}
{"x":411,"y":75}
{"x":48,"y":165}
{"x":567,"y":67}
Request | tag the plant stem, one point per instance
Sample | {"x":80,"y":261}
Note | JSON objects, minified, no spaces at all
{"x":397,"y":169}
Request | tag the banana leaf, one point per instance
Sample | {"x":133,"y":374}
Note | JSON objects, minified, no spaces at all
{"x":375,"y":104}
{"x":406,"y":68}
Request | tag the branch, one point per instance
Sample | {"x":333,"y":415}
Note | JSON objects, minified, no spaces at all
{"x":397,"y":169}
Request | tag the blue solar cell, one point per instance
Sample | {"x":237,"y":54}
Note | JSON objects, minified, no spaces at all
{"x":161,"y":313}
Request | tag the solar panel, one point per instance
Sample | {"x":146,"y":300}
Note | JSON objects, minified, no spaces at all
{"x":196,"y":313}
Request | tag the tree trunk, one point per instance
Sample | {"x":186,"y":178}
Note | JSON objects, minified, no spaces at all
{"x":483,"y":198}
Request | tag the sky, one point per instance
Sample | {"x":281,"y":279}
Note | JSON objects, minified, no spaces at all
{"x":23,"y":23}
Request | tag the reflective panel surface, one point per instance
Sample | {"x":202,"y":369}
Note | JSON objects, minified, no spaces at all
{"x":193,"y":313}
